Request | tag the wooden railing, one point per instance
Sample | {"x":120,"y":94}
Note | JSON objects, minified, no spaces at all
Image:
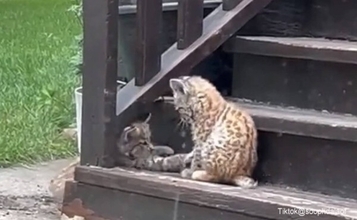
{"x":197,"y":38}
{"x":149,"y":26}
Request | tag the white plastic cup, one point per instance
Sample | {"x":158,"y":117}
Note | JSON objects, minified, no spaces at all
{"x":78,"y":99}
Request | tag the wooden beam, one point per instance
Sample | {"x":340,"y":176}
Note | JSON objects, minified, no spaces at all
{"x":295,"y":47}
{"x":228,"y":5}
{"x":189,"y":22}
{"x":217,"y":28}
{"x":263,"y":201}
{"x":148,"y":46}
{"x":81,"y":203}
{"x":100,"y":55}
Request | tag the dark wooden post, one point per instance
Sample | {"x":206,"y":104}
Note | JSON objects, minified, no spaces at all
{"x":148,"y":46}
{"x":189,"y":22}
{"x":230,"y":4}
{"x":100,"y":55}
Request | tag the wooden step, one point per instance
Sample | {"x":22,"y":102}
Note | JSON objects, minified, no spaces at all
{"x":309,"y":84}
{"x":308,"y":150}
{"x":301,"y":122}
{"x":187,"y":199}
{"x":295,"y":47}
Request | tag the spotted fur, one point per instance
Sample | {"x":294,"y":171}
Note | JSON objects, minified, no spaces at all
{"x":224,"y":135}
{"x":138,"y":151}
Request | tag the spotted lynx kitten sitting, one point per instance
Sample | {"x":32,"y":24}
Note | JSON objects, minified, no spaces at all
{"x":135,"y":143}
{"x":224,"y":136}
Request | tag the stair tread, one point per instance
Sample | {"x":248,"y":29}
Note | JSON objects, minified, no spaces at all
{"x":301,"y":121}
{"x":295,"y":47}
{"x":263,"y":201}
{"x":302,"y":115}
{"x":318,"y":43}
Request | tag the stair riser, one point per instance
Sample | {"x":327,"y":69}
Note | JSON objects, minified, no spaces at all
{"x":299,"y":83}
{"x":312,"y":164}
{"x":155,"y":208}
{"x":306,"y":18}
{"x":306,"y":163}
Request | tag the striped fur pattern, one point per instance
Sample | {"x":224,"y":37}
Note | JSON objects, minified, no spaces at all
{"x":138,"y":151}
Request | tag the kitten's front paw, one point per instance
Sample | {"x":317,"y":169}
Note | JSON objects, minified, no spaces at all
{"x":186,"y":173}
{"x":188,"y":158}
{"x":245,"y":182}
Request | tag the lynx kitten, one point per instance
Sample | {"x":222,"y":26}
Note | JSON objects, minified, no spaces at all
{"x":224,"y":136}
{"x":139,"y":152}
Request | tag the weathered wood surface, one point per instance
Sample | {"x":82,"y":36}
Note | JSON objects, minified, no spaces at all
{"x":189,"y":22}
{"x":301,"y":122}
{"x":334,"y":19}
{"x":148,"y":40}
{"x":303,"y":48}
{"x":262,"y":202}
{"x":217,"y":28}
{"x":230,"y":4}
{"x":306,"y":18}
{"x":100,"y":55}
{"x":154,"y":208}
{"x":301,"y":83}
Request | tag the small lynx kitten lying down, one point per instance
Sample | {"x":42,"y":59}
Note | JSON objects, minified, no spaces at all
{"x":135,"y":143}
{"x":224,"y":136}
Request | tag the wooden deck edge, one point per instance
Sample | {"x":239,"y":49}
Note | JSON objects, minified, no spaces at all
{"x":263,"y":201}
{"x":301,"y":48}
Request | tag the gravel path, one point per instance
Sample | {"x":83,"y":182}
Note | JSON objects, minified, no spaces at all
{"x":24,"y":192}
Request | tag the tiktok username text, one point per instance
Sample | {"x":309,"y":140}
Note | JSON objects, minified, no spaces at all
{"x":304,"y":212}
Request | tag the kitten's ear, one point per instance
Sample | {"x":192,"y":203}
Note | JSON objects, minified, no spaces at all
{"x":127,"y":131}
{"x":177,"y":85}
{"x":148,"y":118}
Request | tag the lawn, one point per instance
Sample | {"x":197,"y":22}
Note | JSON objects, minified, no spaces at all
{"x":36,"y":79}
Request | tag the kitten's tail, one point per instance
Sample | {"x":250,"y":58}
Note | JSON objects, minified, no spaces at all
{"x":174,"y":163}
{"x":163,"y":151}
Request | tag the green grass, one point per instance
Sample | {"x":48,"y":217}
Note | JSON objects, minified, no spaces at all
{"x":36,"y":79}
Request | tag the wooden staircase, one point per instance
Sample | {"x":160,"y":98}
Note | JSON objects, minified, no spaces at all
{"x":302,"y":89}
{"x":296,"y":76}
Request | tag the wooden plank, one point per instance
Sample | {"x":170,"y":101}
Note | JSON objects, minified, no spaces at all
{"x":81,"y":202}
{"x":230,"y":4}
{"x":217,"y":28}
{"x":302,"y":48}
{"x":301,"y":122}
{"x":148,"y":51}
{"x":189,"y":22}
{"x":263,"y":201}
{"x":296,"y":83}
{"x":293,"y":121}
{"x":326,"y":20}
{"x":99,"y":79}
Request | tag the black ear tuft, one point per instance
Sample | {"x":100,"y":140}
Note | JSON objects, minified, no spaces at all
{"x":148,"y":118}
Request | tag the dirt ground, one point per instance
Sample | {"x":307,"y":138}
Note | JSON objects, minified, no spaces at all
{"x":24,"y":192}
